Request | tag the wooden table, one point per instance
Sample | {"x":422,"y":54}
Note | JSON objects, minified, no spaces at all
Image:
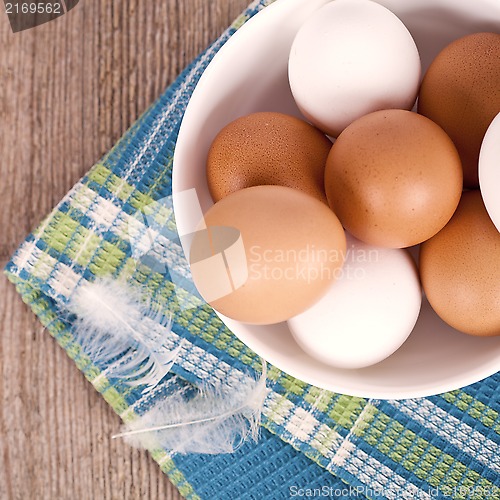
{"x":68,"y":90}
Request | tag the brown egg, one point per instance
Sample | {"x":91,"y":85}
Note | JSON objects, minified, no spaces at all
{"x":267,"y":254}
{"x":461,"y":93}
{"x":394,"y":178}
{"x":268,"y":148}
{"x":460,"y":269}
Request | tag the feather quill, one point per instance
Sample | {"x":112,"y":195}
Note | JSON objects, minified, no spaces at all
{"x":216,"y":420}
{"x":118,"y":329}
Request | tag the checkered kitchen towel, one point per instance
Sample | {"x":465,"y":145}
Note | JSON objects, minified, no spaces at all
{"x":314,"y":443}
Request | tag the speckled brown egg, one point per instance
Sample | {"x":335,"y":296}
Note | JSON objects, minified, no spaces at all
{"x":460,"y":269}
{"x":268,"y":148}
{"x":267,"y":254}
{"x":461,"y":93}
{"x":394,"y":178}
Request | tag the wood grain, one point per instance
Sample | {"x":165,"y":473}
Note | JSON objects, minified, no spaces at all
{"x":68,"y":90}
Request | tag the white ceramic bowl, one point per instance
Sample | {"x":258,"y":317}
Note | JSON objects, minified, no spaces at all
{"x":249,"y":74}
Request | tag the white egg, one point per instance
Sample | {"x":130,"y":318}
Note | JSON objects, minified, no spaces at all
{"x":352,"y":57}
{"x":489,"y":171}
{"x":368,"y":312}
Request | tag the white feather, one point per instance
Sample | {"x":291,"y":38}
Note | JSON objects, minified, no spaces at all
{"x":117,"y":328}
{"x":215,"y":420}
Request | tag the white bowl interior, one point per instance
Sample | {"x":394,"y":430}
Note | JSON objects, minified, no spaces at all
{"x":249,"y":74}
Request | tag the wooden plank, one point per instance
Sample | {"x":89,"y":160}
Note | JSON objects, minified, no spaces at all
{"x":68,"y":90}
